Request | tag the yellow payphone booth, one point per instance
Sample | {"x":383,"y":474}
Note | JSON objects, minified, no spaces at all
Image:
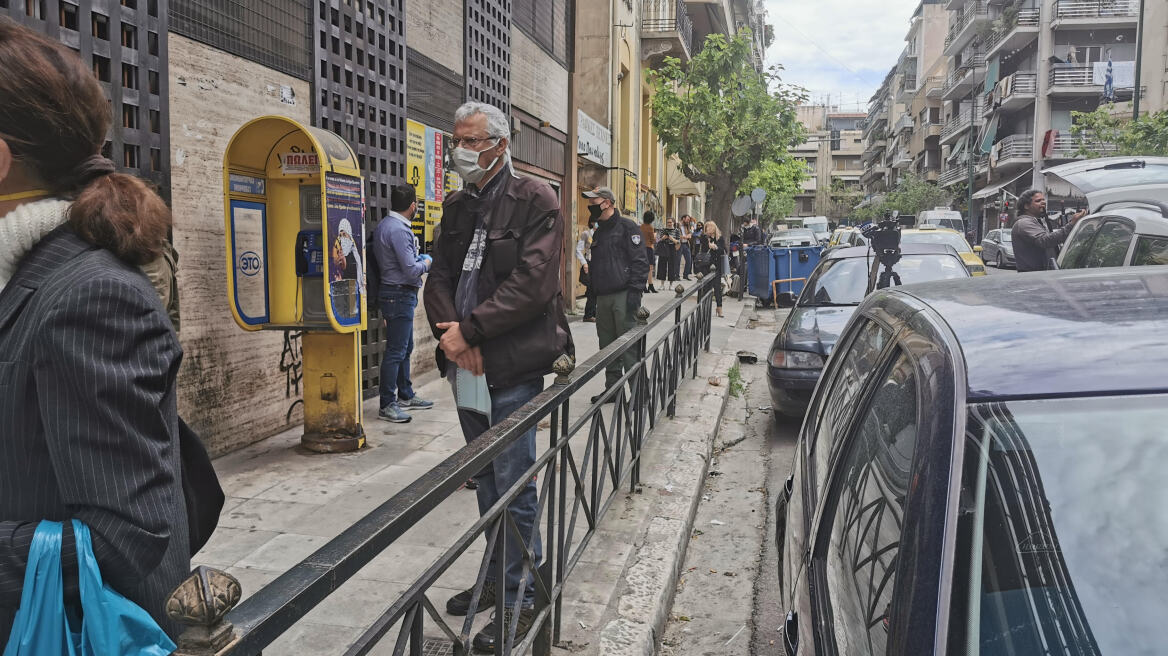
{"x":295,"y":225}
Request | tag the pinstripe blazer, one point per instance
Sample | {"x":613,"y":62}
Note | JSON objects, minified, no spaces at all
{"x":88,"y":422}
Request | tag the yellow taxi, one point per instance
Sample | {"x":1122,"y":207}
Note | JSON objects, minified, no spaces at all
{"x":929,"y":234}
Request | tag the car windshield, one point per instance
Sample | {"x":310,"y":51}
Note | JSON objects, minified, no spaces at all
{"x":1063,"y":526}
{"x":926,"y":268}
{"x":837,"y":282}
{"x":797,"y":234}
{"x":937,"y":237}
{"x":1005,"y":237}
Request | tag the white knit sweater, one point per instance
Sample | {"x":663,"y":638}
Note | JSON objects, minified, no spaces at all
{"x":23,"y":227}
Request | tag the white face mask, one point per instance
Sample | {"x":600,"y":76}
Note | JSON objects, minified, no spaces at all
{"x":466,"y":163}
{"x":347,"y":244}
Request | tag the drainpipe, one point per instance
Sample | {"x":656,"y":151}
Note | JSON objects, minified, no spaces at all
{"x":1139,"y":62}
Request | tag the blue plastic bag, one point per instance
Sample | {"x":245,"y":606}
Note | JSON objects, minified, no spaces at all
{"x":110,"y":625}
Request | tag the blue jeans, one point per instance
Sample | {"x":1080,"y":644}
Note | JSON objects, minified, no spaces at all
{"x":500,"y":475}
{"x":397,"y":308}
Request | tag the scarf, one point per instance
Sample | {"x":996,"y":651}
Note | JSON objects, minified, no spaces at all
{"x":23,"y":227}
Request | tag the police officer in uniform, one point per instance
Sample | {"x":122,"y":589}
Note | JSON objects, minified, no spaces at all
{"x":618,"y":269}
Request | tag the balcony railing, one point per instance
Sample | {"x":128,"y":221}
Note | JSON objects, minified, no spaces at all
{"x":1064,"y":9}
{"x":1082,"y":77}
{"x":1015,"y":146}
{"x":669,"y":16}
{"x":905,"y":123}
{"x":1022,"y":84}
{"x":964,"y":18}
{"x":1066,"y":146}
{"x":1026,"y":18}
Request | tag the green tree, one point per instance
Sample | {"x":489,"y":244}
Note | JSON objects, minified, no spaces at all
{"x":914,"y":194}
{"x":723,"y":118}
{"x":843,"y":198}
{"x":1103,"y":133}
{"x":781,"y":179}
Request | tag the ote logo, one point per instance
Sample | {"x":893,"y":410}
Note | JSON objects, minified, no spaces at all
{"x":250,"y":263}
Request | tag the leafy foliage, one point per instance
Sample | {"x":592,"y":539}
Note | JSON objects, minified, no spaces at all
{"x":912,"y":195}
{"x":782,"y":180}
{"x":722,"y":119}
{"x":1102,"y":133}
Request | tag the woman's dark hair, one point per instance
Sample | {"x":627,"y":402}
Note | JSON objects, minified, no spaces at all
{"x":1025,"y":199}
{"x":54,"y":118}
{"x":649,"y":217}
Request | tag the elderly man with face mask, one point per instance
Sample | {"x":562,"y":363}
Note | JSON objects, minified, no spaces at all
{"x":494,"y":302}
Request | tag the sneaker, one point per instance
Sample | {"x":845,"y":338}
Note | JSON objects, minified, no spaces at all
{"x":459,"y":604}
{"x":393,"y":412}
{"x":589,"y":319}
{"x":484,"y":641}
{"x":416,"y":403}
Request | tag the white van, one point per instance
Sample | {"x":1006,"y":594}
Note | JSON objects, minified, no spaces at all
{"x":942,"y":217}
{"x":818,"y":225}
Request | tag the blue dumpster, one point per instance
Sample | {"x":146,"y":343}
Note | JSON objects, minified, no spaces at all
{"x":760,"y":272}
{"x":792,"y":263}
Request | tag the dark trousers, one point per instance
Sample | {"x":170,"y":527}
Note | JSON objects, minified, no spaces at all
{"x":687,"y":256}
{"x":397,"y":308}
{"x":668,"y":264}
{"x":498,"y":477}
{"x":614,"y":319}
{"x":589,"y":296}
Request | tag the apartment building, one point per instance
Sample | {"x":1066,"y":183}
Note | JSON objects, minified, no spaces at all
{"x":833,"y":154}
{"x":1018,"y":71}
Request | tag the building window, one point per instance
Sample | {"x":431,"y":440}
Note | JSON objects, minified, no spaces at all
{"x":129,"y":116}
{"x":129,"y":76}
{"x":130,"y":156}
{"x":100,"y":26}
{"x":101,"y":68}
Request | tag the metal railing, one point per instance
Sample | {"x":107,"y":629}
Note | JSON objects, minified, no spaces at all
{"x":962,"y":121}
{"x":669,"y":16}
{"x":969,"y":13}
{"x":1067,"y":146}
{"x":1026,"y":18}
{"x":1096,"y":9}
{"x":588,"y":464}
{"x":1023,"y":84}
{"x":1015,"y":146}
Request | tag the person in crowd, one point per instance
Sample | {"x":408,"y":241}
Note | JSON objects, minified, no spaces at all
{"x":751,"y":233}
{"x":649,"y":240}
{"x":668,"y":255}
{"x":1035,"y":245}
{"x":687,"y":234}
{"x":494,"y":303}
{"x":90,"y":423}
{"x":619,"y":265}
{"x":711,"y":246}
{"x":395,"y":278}
{"x":584,"y":256}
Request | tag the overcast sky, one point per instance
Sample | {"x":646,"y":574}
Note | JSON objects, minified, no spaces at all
{"x":839,"y":47}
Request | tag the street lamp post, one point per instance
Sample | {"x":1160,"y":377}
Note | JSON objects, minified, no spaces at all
{"x":970,"y":156}
{"x":1139,"y":62}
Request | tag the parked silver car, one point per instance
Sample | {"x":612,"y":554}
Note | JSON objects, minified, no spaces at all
{"x":998,"y":248}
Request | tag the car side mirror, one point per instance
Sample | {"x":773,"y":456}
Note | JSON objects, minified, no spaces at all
{"x":785,"y":300}
{"x":977,"y":249}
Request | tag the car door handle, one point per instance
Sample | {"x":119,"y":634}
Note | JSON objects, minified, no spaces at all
{"x":791,"y":633}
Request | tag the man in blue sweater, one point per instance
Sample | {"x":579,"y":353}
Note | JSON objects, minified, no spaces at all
{"x":394,"y":279}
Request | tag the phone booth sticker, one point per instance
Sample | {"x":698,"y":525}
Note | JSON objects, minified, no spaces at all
{"x":344,"y":204}
{"x":249,"y":254}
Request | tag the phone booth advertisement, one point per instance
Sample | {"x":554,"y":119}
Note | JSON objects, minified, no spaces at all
{"x":294,"y":204}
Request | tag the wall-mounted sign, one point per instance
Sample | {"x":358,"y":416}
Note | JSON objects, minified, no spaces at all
{"x":427,"y":173}
{"x":299,"y":163}
{"x":246,"y":184}
{"x":631,"y":189}
{"x":593,"y":140}
{"x":249,"y":252}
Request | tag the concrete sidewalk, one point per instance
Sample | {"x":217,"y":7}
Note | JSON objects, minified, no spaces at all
{"x":285,"y":502}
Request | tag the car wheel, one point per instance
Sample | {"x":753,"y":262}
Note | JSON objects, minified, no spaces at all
{"x":1001,"y":262}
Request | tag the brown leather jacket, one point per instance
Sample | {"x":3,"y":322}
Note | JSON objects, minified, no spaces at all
{"x":519,"y":322}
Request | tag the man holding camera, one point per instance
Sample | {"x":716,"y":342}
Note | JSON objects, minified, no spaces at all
{"x":1035,"y":245}
{"x":618,"y":268}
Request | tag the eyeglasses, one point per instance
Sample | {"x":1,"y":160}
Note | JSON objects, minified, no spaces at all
{"x":470,"y":142}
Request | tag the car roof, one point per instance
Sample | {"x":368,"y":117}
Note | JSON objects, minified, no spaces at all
{"x":931,"y":228}
{"x":1057,"y":333}
{"x":905,"y":249}
{"x":1147,"y":221}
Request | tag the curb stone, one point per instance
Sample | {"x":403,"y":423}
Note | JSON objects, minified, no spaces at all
{"x":645,"y":593}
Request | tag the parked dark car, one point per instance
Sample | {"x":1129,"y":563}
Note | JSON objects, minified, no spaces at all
{"x":836,"y":286}
{"x":998,"y":248}
{"x":981,"y":472}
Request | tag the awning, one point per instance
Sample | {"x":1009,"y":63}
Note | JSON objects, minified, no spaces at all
{"x":678,"y":184}
{"x":990,"y":135}
{"x":958,"y":148}
{"x":993,"y":189}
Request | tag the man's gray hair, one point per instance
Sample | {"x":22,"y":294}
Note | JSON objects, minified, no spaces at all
{"x":498,"y":126}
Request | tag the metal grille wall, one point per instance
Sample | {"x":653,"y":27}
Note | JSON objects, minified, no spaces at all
{"x":360,"y":88}
{"x":270,"y":32}
{"x":488,"y":52}
{"x":434,"y":91}
{"x":125,"y":45}
{"x":546,"y":23}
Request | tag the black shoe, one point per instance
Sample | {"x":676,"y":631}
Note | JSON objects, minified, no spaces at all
{"x":611,"y":399}
{"x":459,"y":604}
{"x":484,"y":641}
{"x":471,"y":484}
{"x":652,"y":289}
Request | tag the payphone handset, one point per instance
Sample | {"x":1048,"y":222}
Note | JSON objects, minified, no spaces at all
{"x":309,"y":254}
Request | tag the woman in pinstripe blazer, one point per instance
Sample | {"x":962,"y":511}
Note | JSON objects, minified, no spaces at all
{"x":88,"y":359}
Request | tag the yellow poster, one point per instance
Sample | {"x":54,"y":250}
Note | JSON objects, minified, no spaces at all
{"x":630,"y":193}
{"x":433,"y":218}
{"x":416,"y":168}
